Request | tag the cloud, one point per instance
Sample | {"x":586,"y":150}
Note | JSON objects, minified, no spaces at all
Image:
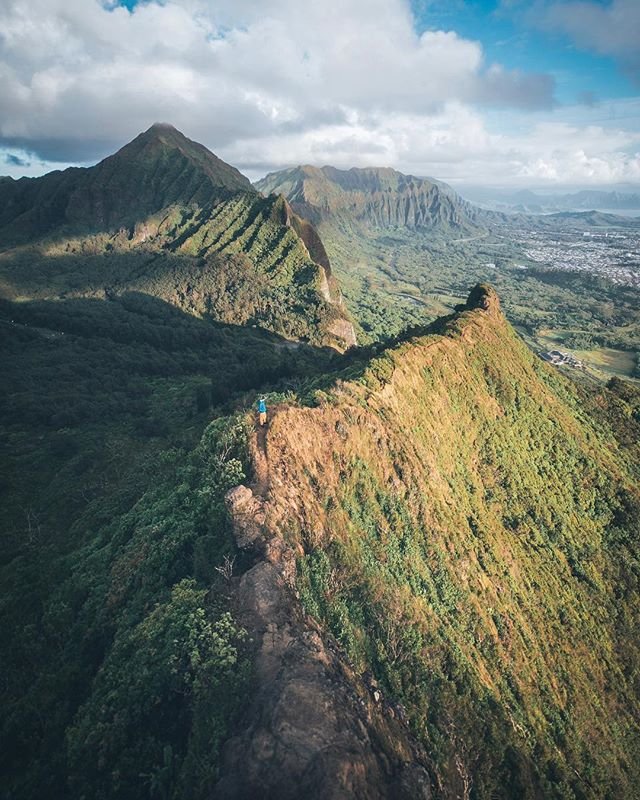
{"x":611,"y":30}
{"x":267,"y":84}
{"x":15,"y":161}
{"x":78,"y":76}
{"x":456,"y":145}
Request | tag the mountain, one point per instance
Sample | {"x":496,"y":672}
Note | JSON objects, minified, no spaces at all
{"x":419,"y":581}
{"x":379,"y":197}
{"x":586,"y":219}
{"x":464,"y":522}
{"x":158,"y":169}
{"x":406,"y":249}
{"x":165,"y":217}
{"x":528,"y":202}
{"x":383,"y":231}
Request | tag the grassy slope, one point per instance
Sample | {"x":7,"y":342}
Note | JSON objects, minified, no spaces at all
{"x":469,"y":534}
{"x":236,"y":261}
{"x":166,"y":217}
{"x":466,"y":531}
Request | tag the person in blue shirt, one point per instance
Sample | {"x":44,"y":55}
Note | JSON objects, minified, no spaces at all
{"x":262,"y":410}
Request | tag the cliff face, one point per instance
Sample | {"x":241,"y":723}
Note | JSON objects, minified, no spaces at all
{"x":313,"y":728}
{"x":467,"y":534}
{"x":376,"y":197}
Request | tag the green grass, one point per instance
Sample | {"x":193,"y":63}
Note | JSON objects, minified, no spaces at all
{"x":471,"y":540}
{"x":610,"y":362}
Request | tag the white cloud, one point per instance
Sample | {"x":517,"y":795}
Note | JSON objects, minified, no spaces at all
{"x":266,"y":84}
{"x":456,"y":145}
{"x":222,"y":66}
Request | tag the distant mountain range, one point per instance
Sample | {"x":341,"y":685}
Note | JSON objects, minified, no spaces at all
{"x":528,"y":202}
{"x":167,"y":217}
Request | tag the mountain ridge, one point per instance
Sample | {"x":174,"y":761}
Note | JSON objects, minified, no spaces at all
{"x":377,"y":196}
{"x":528,"y":201}
{"x":158,"y":168}
{"x":165,"y":216}
{"x":403,"y":510}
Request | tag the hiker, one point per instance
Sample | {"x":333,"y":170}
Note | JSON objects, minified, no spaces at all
{"x":262,"y":410}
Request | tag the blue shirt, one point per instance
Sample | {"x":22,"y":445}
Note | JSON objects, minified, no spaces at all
{"x":262,"y":407}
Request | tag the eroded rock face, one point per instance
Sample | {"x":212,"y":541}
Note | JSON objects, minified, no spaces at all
{"x":312,"y":728}
{"x":484,"y":297}
{"x":247,"y":514}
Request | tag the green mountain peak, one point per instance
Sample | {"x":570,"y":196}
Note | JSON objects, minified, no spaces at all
{"x":163,"y":141}
{"x":378,"y":197}
{"x":165,"y":216}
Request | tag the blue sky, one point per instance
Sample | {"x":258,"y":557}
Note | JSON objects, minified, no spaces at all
{"x":509,"y":92}
{"x":509,"y":36}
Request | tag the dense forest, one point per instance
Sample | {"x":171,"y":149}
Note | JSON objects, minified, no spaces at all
{"x":120,"y":436}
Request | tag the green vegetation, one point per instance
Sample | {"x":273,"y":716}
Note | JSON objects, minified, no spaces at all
{"x":166,"y":218}
{"x":123,"y":666}
{"x":466,"y":519}
{"x":145,"y":301}
{"x":471,"y":539}
{"x":413,"y":278}
{"x":415,"y":263}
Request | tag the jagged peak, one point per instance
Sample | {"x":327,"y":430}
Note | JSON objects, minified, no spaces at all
{"x":484,"y":297}
{"x":162,"y":137}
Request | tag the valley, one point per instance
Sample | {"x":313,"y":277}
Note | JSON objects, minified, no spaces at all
{"x":565,"y":272}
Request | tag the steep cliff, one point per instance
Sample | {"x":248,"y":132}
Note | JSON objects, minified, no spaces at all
{"x":378,"y":197}
{"x":463,"y":525}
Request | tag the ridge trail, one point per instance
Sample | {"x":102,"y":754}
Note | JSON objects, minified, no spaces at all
{"x":260,"y":485}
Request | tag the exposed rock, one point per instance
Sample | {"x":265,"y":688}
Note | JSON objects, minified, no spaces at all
{"x":247,"y":514}
{"x":311,"y":730}
{"x":342,"y":329}
{"x":483,"y":296}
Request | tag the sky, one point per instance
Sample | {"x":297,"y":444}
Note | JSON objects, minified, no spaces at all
{"x":501,"y":93}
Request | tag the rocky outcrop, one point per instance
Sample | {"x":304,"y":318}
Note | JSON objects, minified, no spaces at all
{"x":312,"y":728}
{"x":483,"y":297}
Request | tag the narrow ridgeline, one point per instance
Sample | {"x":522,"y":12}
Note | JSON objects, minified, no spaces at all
{"x":445,"y":599}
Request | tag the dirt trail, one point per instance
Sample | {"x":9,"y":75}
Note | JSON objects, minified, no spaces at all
{"x":312,"y":728}
{"x":260,"y":461}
